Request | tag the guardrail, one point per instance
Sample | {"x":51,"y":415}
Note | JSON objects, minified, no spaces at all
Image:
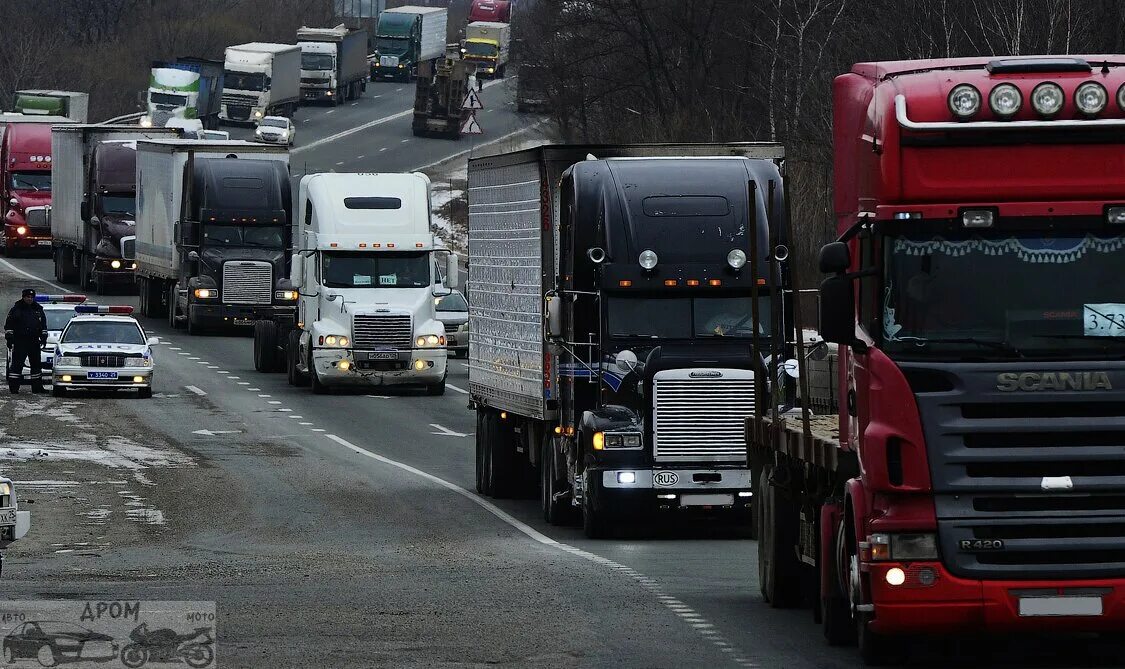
{"x":136,"y":116}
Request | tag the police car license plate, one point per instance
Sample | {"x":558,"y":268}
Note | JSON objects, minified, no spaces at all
{"x":101,"y":375}
{"x":382,"y":355}
{"x":7,"y":516}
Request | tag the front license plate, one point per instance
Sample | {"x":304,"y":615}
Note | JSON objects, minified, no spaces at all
{"x":382,"y":355}
{"x":44,"y":242}
{"x":101,"y":375}
{"x":244,"y":321}
{"x":1060,"y":606}
{"x":707,"y":500}
{"x":8,"y":517}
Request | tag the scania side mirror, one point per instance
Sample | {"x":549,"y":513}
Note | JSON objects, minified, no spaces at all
{"x":837,"y":309}
{"x":552,"y":307}
{"x":297,"y":271}
{"x":452,"y":272}
{"x":835,"y":258}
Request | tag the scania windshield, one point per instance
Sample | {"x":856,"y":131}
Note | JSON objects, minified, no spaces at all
{"x":686,"y":318}
{"x":1003,"y":294}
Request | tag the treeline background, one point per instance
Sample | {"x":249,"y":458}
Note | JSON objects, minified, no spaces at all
{"x":615,"y":70}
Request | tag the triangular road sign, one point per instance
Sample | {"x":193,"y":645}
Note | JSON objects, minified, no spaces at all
{"x":471,"y":126}
{"x":472,"y":101}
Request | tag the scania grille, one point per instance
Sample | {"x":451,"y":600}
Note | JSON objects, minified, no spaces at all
{"x":1028,"y":484}
{"x":701,"y":418}
{"x":395,"y":331}
{"x":247,"y":282}
{"x":103,"y":360}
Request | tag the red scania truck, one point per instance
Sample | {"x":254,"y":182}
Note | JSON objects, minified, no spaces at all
{"x":974,"y":481}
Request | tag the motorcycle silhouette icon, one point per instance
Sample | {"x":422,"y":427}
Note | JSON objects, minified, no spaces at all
{"x":166,"y":645}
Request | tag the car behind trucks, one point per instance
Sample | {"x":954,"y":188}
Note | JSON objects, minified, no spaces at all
{"x":486,"y":46}
{"x":439,"y":98}
{"x":70,"y":104}
{"x":93,"y":202}
{"x":259,"y":80}
{"x":186,"y":88}
{"x":333,"y":63}
{"x":975,"y":298}
{"x":405,"y":38}
{"x":213,"y":233}
{"x":25,"y":181}
{"x":367,"y":279}
{"x":617,"y":379}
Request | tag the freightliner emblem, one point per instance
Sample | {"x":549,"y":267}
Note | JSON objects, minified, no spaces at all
{"x":1037,"y":381}
{"x":706,"y":375}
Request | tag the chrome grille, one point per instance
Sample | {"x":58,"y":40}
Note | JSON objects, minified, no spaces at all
{"x":701,"y":417}
{"x":371,"y":331}
{"x":102,"y":360}
{"x":247,"y":282}
{"x":234,"y":99}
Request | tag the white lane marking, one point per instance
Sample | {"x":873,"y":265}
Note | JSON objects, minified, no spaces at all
{"x":355,"y":104}
{"x":221,"y":371}
{"x":404,"y":141}
{"x":456,"y":389}
{"x":212,"y":366}
{"x":174,"y":348}
{"x":234,"y":378}
{"x":193,"y":358}
{"x":445,"y":431}
{"x":339,"y":163}
{"x":379,"y":397}
{"x":330,"y":111}
{"x":531,"y":532}
{"x":305,"y":424}
{"x":183,"y":353}
{"x":195,"y":390}
{"x":296,"y":417}
{"x":360,"y":157}
{"x":273,"y":402}
{"x":317,"y":429}
{"x":253,"y":390}
{"x":19,"y":271}
{"x":382,"y":149}
{"x":283,"y":410}
{"x":455,"y":156}
{"x":262,"y":395}
{"x":397,"y":90}
{"x":376,"y":96}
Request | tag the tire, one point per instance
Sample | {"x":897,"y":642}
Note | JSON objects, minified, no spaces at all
{"x":57,"y":391}
{"x":595,"y":522}
{"x":144,"y":393}
{"x":134,"y":656}
{"x":199,"y":656}
{"x":47,"y":656}
{"x":8,"y":654}
{"x":85,"y":281}
{"x":556,"y":510}
{"x":192,"y":327}
{"x":292,"y":350}
{"x":318,"y":388}
{"x":500,"y":456}
{"x":779,"y":572}
{"x":437,"y":389}
{"x":480,"y":439}
{"x":173,"y":322}
{"x":265,"y":346}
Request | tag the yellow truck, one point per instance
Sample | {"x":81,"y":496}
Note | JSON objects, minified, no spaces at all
{"x":487,"y":47}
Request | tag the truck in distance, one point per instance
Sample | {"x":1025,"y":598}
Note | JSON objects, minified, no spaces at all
{"x":618,"y":378}
{"x":70,"y":104}
{"x":405,"y":38}
{"x":439,"y":95}
{"x":367,"y":278}
{"x":491,"y":10}
{"x":260,"y":79}
{"x":333,"y":63}
{"x":185,"y":88}
{"x":25,"y":181}
{"x":213,"y":232}
{"x":93,"y":202}
{"x":972,"y":483}
{"x":486,"y":46}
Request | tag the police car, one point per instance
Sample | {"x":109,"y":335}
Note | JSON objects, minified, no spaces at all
{"x":58,"y":309}
{"x":103,"y":348}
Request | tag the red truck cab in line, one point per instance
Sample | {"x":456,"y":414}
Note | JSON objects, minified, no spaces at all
{"x":491,"y":10}
{"x":25,"y":173}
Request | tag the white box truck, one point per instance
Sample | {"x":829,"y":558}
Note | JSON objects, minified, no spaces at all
{"x":333,"y":63}
{"x":406,"y":37}
{"x":93,"y":201}
{"x":260,"y":79}
{"x":367,"y":278}
{"x":487,"y":46}
{"x":214,"y":234}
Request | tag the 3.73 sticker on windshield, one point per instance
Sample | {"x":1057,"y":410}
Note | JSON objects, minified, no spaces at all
{"x":1103,"y":320}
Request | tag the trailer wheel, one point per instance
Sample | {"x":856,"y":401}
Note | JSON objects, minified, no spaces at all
{"x":265,"y":346}
{"x":779,"y":572}
{"x":500,"y":450}
{"x":482,"y":437}
{"x":557,"y":508}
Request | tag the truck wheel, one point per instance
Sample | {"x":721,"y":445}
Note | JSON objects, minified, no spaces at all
{"x":480,"y":440}
{"x":877,"y":650}
{"x":500,"y":455}
{"x":193,"y":328}
{"x":595,"y":522}
{"x":152,"y":298}
{"x":556,"y":508}
{"x":778,"y":569}
{"x":265,"y":346}
{"x":437,"y":389}
{"x":318,"y":388}
{"x":173,"y":322}
{"x":85,"y":280}
{"x":836,"y":612}
{"x":292,"y":350}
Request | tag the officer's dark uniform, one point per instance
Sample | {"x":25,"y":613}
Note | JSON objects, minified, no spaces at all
{"x":25,"y":332}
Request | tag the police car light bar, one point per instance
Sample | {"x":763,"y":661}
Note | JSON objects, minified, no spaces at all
{"x":60,"y":298}
{"x":104,"y":309}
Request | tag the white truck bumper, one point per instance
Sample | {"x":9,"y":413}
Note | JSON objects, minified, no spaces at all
{"x":340,"y":367}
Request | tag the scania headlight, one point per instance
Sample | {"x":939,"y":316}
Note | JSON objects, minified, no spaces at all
{"x":1047,"y":98}
{"x":285,"y":295}
{"x":1005,"y":100}
{"x":1090,"y":98}
{"x":903,"y":547}
{"x":138,"y":362}
{"x":429,"y":341}
{"x":68,"y":361}
{"x":964,"y":101}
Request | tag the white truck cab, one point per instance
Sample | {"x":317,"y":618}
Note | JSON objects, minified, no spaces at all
{"x":365,"y":272}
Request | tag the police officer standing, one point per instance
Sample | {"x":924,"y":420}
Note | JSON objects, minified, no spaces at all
{"x":25,"y":332}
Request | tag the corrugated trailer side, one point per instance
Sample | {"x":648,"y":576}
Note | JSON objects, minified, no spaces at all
{"x":158,"y":200}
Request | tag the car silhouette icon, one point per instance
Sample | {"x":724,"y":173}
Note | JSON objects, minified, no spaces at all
{"x":53,"y":643}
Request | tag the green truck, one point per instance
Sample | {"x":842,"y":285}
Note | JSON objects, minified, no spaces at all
{"x":405,"y":38}
{"x":74,"y":106}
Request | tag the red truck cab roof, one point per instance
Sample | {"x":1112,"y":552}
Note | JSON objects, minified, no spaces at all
{"x":900,"y":147}
{"x":491,"y":10}
{"x":27,"y":147}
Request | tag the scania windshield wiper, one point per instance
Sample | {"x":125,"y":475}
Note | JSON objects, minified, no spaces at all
{"x":999,"y":345}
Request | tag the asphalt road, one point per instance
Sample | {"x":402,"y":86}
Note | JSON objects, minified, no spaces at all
{"x":341,"y":530}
